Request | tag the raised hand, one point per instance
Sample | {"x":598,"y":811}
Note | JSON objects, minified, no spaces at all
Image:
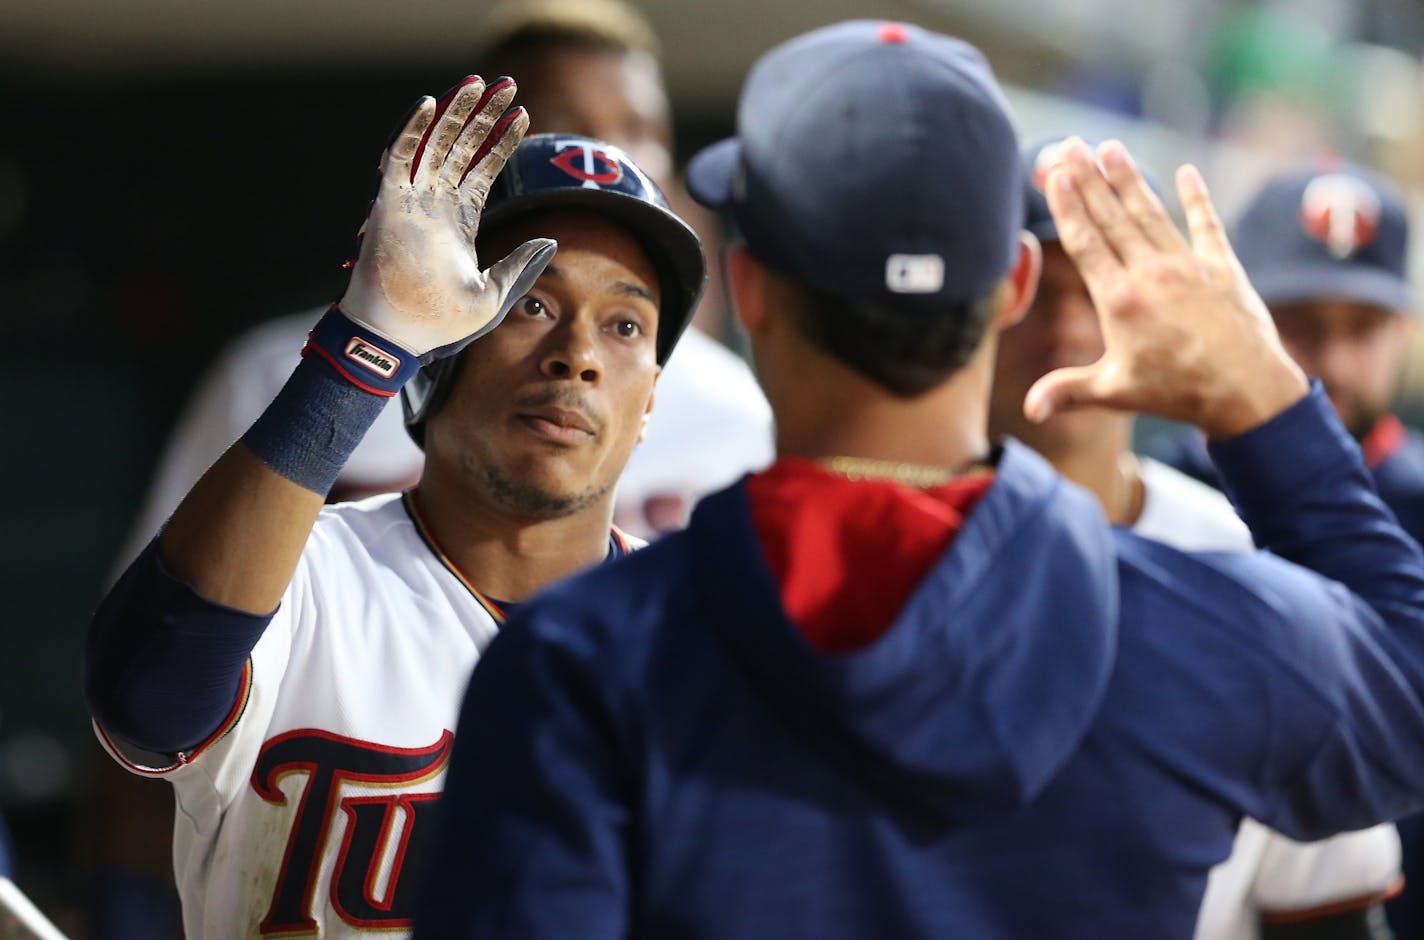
{"x":1186,"y":336}
{"x":417,"y":280}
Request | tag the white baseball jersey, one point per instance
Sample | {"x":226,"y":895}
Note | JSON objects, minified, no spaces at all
{"x":711,"y":424}
{"x":1268,"y":876}
{"x":300,"y":815}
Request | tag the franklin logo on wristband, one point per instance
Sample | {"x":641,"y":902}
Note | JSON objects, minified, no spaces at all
{"x":376,"y":360}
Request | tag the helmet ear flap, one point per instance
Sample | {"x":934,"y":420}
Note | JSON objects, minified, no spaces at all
{"x":425,"y":393}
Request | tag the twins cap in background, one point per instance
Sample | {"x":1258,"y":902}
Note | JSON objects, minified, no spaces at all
{"x":1327,"y":231}
{"x":873,"y":161}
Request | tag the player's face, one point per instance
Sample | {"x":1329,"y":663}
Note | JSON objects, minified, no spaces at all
{"x":1060,"y":329}
{"x":546,"y":409}
{"x":604,"y":95}
{"x":1355,"y":349}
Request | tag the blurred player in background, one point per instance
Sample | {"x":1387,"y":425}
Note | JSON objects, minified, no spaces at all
{"x":585,"y":67}
{"x":294,"y":670}
{"x":1317,"y":891}
{"x":1327,"y":247}
{"x":902,"y":685}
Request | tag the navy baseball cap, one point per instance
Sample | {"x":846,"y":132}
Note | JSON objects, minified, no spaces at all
{"x":873,"y":161}
{"x":1337,"y":231}
{"x":567,"y":171}
{"x":1038,"y":159}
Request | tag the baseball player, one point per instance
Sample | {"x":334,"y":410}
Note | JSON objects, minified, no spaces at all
{"x":295,"y":671}
{"x":901,"y":684}
{"x":586,"y":67}
{"x":1333,"y":888}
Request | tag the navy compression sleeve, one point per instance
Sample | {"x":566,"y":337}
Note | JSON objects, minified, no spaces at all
{"x":163,"y":665}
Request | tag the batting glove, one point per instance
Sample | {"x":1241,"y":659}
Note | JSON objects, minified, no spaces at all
{"x":417,"y":281}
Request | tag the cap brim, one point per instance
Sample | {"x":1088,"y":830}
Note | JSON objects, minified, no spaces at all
{"x":673,"y":246}
{"x":1300,"y":284}
{"x":1044,"y":230}
{"x":712,"y":171}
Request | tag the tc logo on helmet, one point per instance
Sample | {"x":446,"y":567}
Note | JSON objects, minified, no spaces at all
{"x":596,"y":168}
{"x":1341,"y":212}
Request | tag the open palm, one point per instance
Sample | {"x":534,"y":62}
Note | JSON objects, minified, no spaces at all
{"x":417,"y":279}
{"x":1186,"y":335}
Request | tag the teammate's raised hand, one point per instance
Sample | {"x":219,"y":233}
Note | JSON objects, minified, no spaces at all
{"x":417,"y":280}
{"x":1186,"y":336}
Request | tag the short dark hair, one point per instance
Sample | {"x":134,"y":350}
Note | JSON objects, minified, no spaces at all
{"x":521,"y":28}
{"x":906,"y":353}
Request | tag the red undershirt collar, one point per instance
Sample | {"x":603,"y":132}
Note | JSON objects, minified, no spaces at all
{"x":848,"y":554}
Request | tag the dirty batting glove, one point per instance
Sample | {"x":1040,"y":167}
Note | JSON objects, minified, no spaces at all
{"x":417,"y":281}
{"x":416,"y":294}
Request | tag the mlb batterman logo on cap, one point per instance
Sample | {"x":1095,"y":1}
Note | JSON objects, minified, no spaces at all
{"x":1338,"y":231}
{"x":873,"y":161}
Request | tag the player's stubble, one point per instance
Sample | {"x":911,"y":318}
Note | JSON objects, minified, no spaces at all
{"x":532,"y":502}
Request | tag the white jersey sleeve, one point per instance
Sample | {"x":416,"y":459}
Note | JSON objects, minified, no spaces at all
{"x":1268,"y":878}
{"x":1299,"y":880}
{"x":301,"y":817}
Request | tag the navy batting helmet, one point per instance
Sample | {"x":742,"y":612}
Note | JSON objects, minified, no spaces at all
{"x":551,"y":172}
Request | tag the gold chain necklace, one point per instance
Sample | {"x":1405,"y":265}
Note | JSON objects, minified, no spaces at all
{"x":916,"y":475}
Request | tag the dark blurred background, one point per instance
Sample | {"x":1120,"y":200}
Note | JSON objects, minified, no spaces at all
{"x":172,"y":172}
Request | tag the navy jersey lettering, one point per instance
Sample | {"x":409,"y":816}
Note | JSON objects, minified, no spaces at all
{"x":374,"y":824}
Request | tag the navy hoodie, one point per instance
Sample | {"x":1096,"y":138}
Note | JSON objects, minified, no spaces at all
{"x":1055,"y":738}
{"x":1398,"y":473}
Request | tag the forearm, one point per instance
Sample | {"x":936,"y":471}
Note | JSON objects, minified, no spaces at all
{"x":169,"y":643}
{"x":1300,"y":484}
{"x":238,"y":534}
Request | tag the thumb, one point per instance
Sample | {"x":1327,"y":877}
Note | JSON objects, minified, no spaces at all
{"x":516,"y":273}
{"x":1061,"y":390}
{"x":512,"y":276}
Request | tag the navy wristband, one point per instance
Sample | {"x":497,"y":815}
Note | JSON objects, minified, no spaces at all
{"x":362,"y":356}
{"x":346,"y":376}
